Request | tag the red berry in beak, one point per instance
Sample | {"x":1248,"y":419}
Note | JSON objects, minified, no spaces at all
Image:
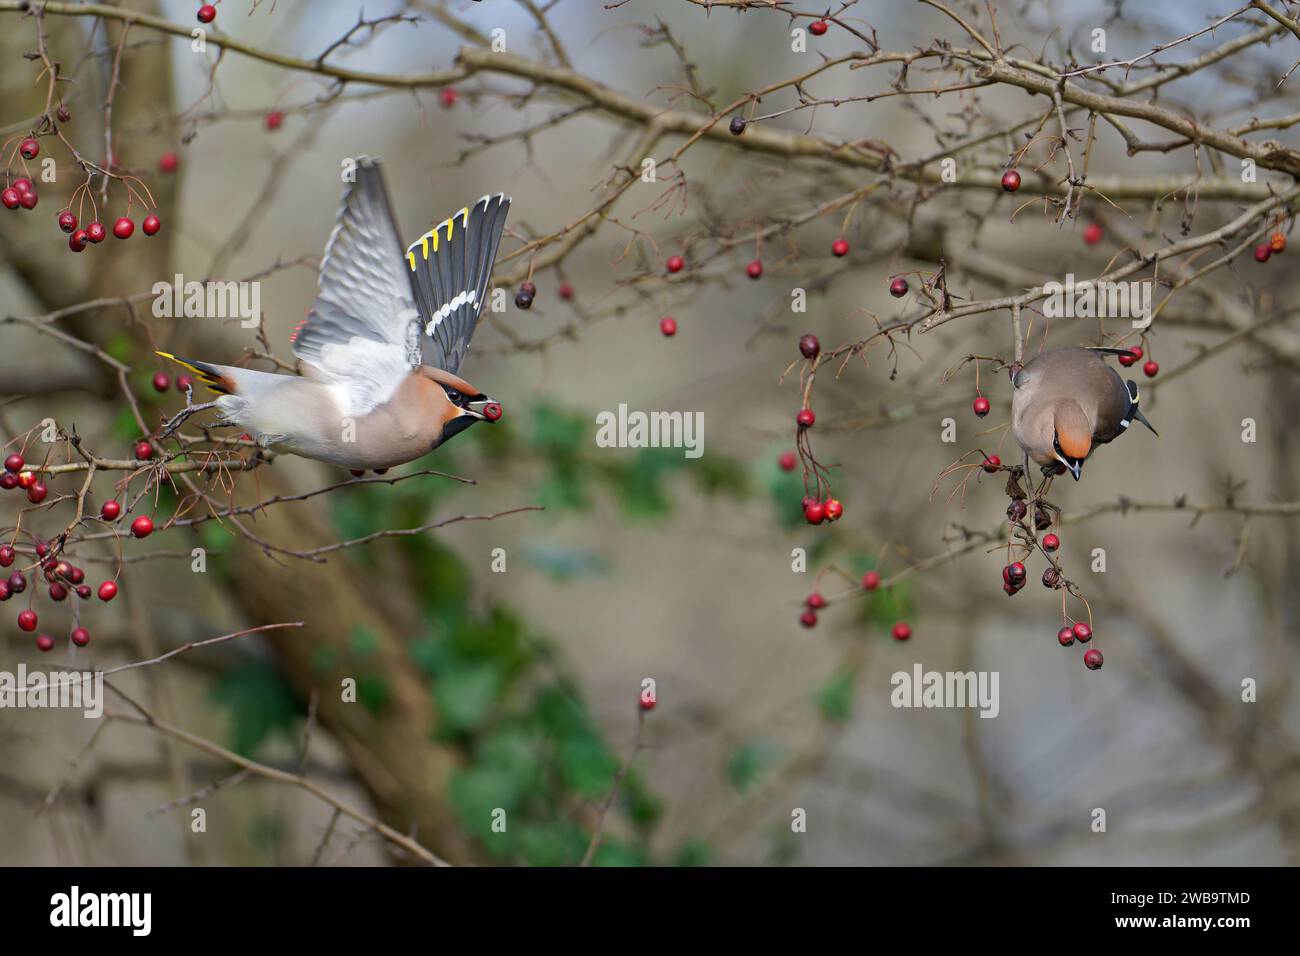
{"x":492,"y":411}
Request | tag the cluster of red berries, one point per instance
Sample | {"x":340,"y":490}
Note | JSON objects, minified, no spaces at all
{"x":815,"y":511}
{"x":14,"y":477}
{"x":814,"y":602}
{"x":1150,"y":368}
{"x":162,"y":381}
{"x":1276,"y":243}
{"x":1082,"y":633}
{"x":19,"y":193}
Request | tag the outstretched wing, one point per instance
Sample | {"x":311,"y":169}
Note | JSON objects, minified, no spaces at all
{"x":450,"y":267}
{"x":361,"y":331}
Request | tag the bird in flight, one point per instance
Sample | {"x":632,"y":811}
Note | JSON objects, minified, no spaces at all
{"x":379,"y":352}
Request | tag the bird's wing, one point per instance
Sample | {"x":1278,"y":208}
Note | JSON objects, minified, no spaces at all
{"x":450,"y":267}
{"x":362,"y":328}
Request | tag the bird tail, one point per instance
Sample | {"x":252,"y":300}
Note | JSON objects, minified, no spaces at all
{"x":1108,"y":351}
{"x":451,"y":266}
{"x":1133,"y":411}
{"x":213,"y":376}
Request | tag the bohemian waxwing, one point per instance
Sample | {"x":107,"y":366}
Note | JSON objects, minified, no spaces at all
{"x":379,"y":350}
{"x":1066,"y":402}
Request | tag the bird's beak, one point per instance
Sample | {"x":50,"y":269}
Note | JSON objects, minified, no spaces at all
{"x":1075,"y":468}
{"x":486,"y":409}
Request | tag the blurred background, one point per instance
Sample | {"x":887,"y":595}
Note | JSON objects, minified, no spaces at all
{"x":519,"y":690}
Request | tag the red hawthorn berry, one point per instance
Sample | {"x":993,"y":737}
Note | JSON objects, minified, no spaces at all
{"x":14,"y":462}
{"x":17,"y":582}
{"x":4,"y":590}
{"x":565,"y":291}
{"x":36,"y":492}
{"x":27,"y":620}
{"x":28,"y":199}
{"x":142,"y":526}
{"x":668,"y":326}
{"x":834,"y":509}
{"x":1263,"y":251}
{"x":123,"y":228}
{"x":77,"y":241}
{"x":168,"y":162}
{"x":44,"y":643}
{"x":143,"y":451}
{"x":151,"y":225}
{"x":815,"y":601}
{"x":1066,"y":636}
{"x":273,"y":119}
{"x":8,"y":481}
{"x":110,"y":510}
{"x":67,"y":221}
{"x":76,"y":575}
{"x":1092,"y":234}
{"x":840,"y":247}
{"x":26,"y":479}
{"x":1014,"y":573}
{"x":898,"y":287}
{"x":981,"y":406}
{"x":108,"y":591}
{"x":1011,"y":180}
{"x":1017,"y":509}
{"x":805,"y":418}
{"x":7,"y":555}
{"x":1150,"y":368}
{"x":96,"y":232}
{"x":808,"y":618}
{"x":83,"y":591}
{"x":1051,"y":542}
{"x":1277,"y":242}
{"x":818,"y":27}
{"x":809,"y":346}
{"x":871,"y":580}
{"x":11,"y":198}
{"x":1131,"y":356}
{"x":902,"y":631}
{"x":992,"y":463}
{"x":161,"y":381}
{"x":80,"y":636}
{"x":184,"y":383}
{"x":63,"y":113}
{"x":207,"y":13}
{"x":787,"y":461}
{"x":448,"y":95}
{"x":1082,"y":632}
{"x":29,"y":148}
{"x":814,"y":512}
{"x":23,"y":185}
{"x":1051,"y":577}
{"x":1092,"y":659}
{"x":58,"y":591}
{"x":755,"y":269}
{"x":675,"y":263}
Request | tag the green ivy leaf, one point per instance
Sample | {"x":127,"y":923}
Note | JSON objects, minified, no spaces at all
{"x":259,"y":702}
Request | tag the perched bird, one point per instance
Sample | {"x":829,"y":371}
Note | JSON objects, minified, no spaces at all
{"x":1068,"y":401}
{"x":379,"y":351}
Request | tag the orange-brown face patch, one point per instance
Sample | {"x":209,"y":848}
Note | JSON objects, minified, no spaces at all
{"x":1073,"y":444}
